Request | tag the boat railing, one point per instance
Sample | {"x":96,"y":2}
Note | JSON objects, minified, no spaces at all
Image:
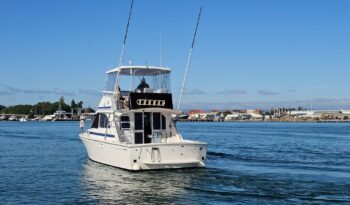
{"x":160,"y":137}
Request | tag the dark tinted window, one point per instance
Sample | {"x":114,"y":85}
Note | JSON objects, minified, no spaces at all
{"x":138,"y":121}
{"x":156,"y":120}
{"x":138,"y":137}
{"x":163,"y":122}
{"x":125,"y":125}
{"x":125,"y":118}
{"x":96,"y":120}
{"x":103,"y":121}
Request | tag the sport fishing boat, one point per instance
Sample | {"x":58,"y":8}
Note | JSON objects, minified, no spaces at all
{"x":134,"y":128}
{"x":135,"y":123}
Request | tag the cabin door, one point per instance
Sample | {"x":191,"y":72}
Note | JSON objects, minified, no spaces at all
{"x":143,"y":127}
{"x":147,"y":127}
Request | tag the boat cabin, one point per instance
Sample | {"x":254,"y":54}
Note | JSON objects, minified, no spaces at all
{"x":137,"y":103}
{"x":135,"y":87}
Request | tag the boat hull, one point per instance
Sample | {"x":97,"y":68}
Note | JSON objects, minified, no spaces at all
{"x":186,"y":154}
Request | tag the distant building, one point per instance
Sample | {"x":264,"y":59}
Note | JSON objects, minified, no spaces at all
{"x":319,"y":113}
{"x":232,"y":116}
{"x":256,"y":111}
{"x":238,"y":116}
{"x":211,"y":116}
{"x":195,"y":114}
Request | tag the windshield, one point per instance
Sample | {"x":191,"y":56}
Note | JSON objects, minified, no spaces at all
{"x":147,"y":84}
{"x":110,"y":82}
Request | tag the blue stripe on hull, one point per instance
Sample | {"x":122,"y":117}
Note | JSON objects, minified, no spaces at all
{"x":101,"y":134}
{"x":104,"y":107}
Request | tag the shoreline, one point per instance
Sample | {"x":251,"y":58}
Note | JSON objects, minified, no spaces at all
{"x":272,"y":121}
{"x":215,"y":121}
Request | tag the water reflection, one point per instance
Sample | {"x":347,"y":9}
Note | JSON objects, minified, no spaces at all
{"x":105,"y":184}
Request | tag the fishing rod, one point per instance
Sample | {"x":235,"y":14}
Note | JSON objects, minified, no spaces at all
{"x":124,"y":43}
{"x":126,"y":34}
{"x":189,"y":59}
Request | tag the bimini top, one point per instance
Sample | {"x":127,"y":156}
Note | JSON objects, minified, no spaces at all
{"x":140,"y":70}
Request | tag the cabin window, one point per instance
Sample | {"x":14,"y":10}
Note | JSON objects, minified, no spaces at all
{"x":103,"y":121}
{"x":159,"y":121}
{"x":163,"y":122}
{"x":156,"y":121}
{"x":138,"y":121}
{"x":138,"y":138}
{"x":96,"y":120}
{"x":125,"y":122}
{"x":125,"y":118}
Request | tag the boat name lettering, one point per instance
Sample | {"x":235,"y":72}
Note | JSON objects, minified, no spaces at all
{"x":149,"y":102}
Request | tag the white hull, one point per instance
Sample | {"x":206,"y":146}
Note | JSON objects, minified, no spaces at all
{"x":176,"y":155}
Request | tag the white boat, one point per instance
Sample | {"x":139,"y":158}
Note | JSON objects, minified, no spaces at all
{"x":61,"y":115}
{"x":35,"y":119}
{"x":13,"y":118}
{"x":47,"y":118}
{"x":133,"y":128}
{"x":22,"y":119}
{"x":3,"y":117}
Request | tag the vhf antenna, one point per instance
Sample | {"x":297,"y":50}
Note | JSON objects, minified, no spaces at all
{"x":126,"y":34}
{"x":189,"y":59}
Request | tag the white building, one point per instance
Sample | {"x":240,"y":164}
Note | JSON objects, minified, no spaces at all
{"x":316,"y":113}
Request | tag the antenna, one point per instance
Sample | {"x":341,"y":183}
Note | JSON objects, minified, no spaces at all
{"x":189,"y":59}
{"x":126,"y":34}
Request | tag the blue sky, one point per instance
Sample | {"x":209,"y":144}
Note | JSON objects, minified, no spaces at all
{"x":248,"y":54}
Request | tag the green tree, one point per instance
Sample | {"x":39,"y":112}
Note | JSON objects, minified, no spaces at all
{"x":90,"y":110}
{"x":2,"y":107}
{"x":18,"y":109}
{"x":80,"y":104}
{"x":61,"y":100}
{"x":73,"y":104}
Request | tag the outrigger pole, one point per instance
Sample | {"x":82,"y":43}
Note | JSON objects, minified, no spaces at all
{"x":189,"y":59}
{"x":126,"y":34}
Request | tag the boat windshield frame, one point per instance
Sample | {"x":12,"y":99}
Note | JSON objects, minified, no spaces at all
{"x":127,"y":78}
{"x":140,"y":70}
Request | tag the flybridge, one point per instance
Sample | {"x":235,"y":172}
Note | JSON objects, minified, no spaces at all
{"x":128,"y":77}
{"x":140,"y":70}
{"x":135,"y":87}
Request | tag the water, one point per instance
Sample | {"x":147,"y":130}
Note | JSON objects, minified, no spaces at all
{"x":248,"y":163}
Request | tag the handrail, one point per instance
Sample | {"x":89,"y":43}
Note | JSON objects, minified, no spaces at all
{"x":160,"y":135}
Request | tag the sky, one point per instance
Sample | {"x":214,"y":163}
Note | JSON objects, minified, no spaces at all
{"x":248,"y":54}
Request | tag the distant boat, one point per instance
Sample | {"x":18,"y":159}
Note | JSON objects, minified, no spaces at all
{"x":13,"y":118}
{"x":22,"y":119}
{"x":3,"y":117}
{"x":47,"y":118}
{"x":61,"y":115}
{"x":35,"y":119}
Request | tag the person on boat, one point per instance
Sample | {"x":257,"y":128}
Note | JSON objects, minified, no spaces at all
{"x":142,"y":85}
{"x":120,"y":102}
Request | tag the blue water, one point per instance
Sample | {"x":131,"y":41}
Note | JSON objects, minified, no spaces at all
{"x":248,"y":163}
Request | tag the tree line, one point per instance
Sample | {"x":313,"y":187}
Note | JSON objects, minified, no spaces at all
{"x":42,"y":108}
